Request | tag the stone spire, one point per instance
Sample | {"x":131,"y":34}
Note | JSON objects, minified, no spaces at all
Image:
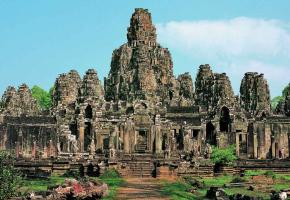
{"x":91,"y":86}
{"x":66,"y":88}
{"x":255,"y":94}
{"x":20,"y":102}
{"x":213,"y":90}
{"x":141,"y":69}
{"x":141,"y":30}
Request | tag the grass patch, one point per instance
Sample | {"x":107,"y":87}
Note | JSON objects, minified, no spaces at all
{"x":218,"y":181}
{"x":38,"y":185}
{"x":177,"y":190}
{"x":114,"y":181}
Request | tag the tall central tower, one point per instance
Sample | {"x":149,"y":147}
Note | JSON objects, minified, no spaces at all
{"x":141,"y":68}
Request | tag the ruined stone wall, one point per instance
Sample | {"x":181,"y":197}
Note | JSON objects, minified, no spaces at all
{"x":30,"y":136}
{"x":255,"y":94}
{"x":20,"y":102}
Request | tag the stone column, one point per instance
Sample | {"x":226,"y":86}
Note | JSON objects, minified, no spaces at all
{"x":51,"y":147}
{"x":126,"y":138}
{"x":17,"y":149}
{"x":81,"y":133}
{"x":33,"y":153}
{"x":255,"y":145}
{"x":158,"y":139}
{"x":237,"y":144}
{"x":273,"y":151}
{"x":288,"y":145}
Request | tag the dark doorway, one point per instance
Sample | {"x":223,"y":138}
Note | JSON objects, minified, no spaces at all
{"x":225,"y":120}
{"x":194,"y":134}
{"x":74,"y":129}
{"x":210,"y":134}
{"x":89,"y":112}
{"x":106,"y":143}
{"x":164,"y":142}
{"x":87,"y":138}
{"x":179,"y":140}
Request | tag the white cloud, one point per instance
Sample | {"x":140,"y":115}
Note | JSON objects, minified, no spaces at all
{"x":242,"y":44}
{"x":236,"y":37}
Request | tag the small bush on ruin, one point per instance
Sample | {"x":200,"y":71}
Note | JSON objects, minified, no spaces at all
{"x":224,"y":156}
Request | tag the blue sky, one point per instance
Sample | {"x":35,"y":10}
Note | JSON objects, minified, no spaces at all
{"x":41,"y":39}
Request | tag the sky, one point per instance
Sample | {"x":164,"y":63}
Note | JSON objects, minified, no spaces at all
{"x":41,"y":39}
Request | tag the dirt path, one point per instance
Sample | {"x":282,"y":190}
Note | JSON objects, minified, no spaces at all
{"x":141,"y":188}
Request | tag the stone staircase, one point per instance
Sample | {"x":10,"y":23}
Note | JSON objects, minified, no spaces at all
{"x":141,"y":169}
{"x":141,"y":148}
{"x":139,"y":165}
{"x":277,"y":166}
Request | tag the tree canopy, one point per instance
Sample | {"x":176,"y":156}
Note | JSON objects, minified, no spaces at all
{"x":277,"y":99}
{"x":42,"y":97}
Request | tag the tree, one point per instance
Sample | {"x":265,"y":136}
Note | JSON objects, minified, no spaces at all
{"x":224,"y":156}
{"x":275,"y":101}
{"x":10,"y":179}
{"x":42,"y":97}
{"x":285,"y":90}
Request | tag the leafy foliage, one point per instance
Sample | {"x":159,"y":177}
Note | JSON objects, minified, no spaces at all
{"x":10,"y":179}
{"x":224,"y":156}
{"x":275,"y":101}
{"x":285,"y":90}
{"x":43,"y":97}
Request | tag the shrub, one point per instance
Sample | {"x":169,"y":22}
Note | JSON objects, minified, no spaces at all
{"x":238,"y":179}
{"x":224,"y":156}
{"x":10,"y":179}
{"x":270,"y":173}
{"x":110,"y":173}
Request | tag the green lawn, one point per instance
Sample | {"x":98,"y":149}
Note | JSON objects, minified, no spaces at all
{"x":180,"y":189}
{"x":114,"y":181}
{"x":37,"y":185}
{"x":110,"y":177}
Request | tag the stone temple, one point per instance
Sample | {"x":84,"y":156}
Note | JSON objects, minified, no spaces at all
{"x":143,"y":112}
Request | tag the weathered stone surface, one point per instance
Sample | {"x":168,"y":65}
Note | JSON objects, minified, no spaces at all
{"x":255,"y":94}
{"x":213,"y":90}
{"x":186,"y":86}
{"x":66,"y":88}
{"x":91,"y":85}
{"x":141,"y":68}
{"x":146,"y":113}
{"x":21,"y":102}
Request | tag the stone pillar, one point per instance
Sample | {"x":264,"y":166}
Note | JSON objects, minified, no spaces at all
{"x":51,"y":148}
{"x":17,"y":149}
{"x":158,"y":139}
{"x":33,"y":153}
{"x":237,"y":144}
{"x":126,"y":137}
{"x":288,"y":145}
{"x":273,"y":151}
{"x":255,"y":145}
{"x":81,"y":137}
